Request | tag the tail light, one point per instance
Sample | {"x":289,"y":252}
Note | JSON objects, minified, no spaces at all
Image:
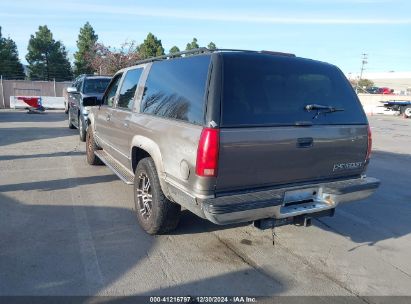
{"x":369,"y":147}
{"x":207,"y":152}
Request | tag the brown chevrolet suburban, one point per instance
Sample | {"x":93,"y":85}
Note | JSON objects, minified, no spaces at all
{"x":233,"y":136}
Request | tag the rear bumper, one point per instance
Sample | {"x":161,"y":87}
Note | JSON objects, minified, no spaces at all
{"x":287,"y":202}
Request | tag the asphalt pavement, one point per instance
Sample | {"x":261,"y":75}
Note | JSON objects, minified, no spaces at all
{"x":67,"y":228}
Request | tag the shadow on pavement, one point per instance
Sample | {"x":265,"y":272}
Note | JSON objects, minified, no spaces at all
{"x":9,"y":136}
{"x":66,"y":249}
{"x":42,"y":155}
{"x":81,"y":250}
{"x":56,"y":184}
{"x":192,"y":224}
{"x":22,"y":116}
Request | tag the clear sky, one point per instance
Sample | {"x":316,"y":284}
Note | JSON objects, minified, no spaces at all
{"x":336,"y":31}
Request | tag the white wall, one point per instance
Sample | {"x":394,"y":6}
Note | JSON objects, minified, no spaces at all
{"x":49,"y":102}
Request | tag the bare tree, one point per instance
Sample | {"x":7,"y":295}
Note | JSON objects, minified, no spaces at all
{"x":107,"y":60}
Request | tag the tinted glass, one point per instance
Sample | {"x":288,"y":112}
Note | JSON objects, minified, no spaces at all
{"x":268,"y":90}
{"x":128,"y":88}
{"x":78,"y":84}
{"x":95,"y":85}
{"x":176,"y":89}
{"x":108,"y":98}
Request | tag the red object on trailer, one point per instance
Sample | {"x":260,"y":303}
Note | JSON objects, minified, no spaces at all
{"x":31,"y":101}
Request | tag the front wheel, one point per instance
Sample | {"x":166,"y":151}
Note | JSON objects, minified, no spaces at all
{"x":70,"y":124}
{"x":92,"y":146}
{"x":81,"y":129}
{"x":155,"y":213}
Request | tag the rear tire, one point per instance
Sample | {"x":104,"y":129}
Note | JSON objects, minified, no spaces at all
{"x":91,"y":146}
{"x":155,"y":213}
{"x":81,"y":129}
{"x":70,"y":124}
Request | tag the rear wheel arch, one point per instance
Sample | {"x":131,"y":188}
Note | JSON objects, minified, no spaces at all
{"x":137,"y":155}
{"x":143,"y":147}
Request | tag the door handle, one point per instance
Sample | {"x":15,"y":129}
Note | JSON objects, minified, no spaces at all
{"x":305,"y":142}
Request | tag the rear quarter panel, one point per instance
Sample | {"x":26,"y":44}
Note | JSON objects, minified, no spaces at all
{"x":176,"y":142}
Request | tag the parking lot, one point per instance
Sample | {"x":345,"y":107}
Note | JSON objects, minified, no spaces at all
{"x":67,"y":228}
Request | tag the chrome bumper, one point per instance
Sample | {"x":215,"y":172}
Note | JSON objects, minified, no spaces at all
{"x":287,"y":202}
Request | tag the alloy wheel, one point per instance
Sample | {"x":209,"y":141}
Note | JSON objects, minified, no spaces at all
{"x":144,"y":196}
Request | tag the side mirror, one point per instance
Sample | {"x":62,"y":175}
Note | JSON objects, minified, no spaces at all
{"x":71,"y":90}
{"x":90,"y":101}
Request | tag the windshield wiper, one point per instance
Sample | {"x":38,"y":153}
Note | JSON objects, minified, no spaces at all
{"x":321,"y":109}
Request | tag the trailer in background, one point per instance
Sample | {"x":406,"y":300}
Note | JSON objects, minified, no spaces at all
{"x":401,"y":106}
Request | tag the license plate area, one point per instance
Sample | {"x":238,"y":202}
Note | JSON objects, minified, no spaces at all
{"x":300,"y":196}
{"x":303,"y":201}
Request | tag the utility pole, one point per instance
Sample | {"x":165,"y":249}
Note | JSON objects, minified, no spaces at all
{"x":2,"y":91}
{"x":364,"y":62}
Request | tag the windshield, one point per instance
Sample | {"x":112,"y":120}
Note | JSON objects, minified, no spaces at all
{"x":95,"y":85}
{"x":272,"y":90}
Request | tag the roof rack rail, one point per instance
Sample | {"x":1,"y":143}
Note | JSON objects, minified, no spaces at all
{"x":172,"y":55}
{"x":278,"y":53}
{"x":206,"y":50}
{"x":260,"y":52}
{"x":236,"y":50}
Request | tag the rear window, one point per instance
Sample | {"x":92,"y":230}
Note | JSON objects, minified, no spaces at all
{"x":95,"y":85}
{"x":272,"y":90}
{"x":176,"y":89}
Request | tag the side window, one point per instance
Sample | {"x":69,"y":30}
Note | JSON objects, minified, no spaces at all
{"x":108,"y":98}
{"x":78,"y":84}
{"x":176,"y":89}
{"x":128,"y":89}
